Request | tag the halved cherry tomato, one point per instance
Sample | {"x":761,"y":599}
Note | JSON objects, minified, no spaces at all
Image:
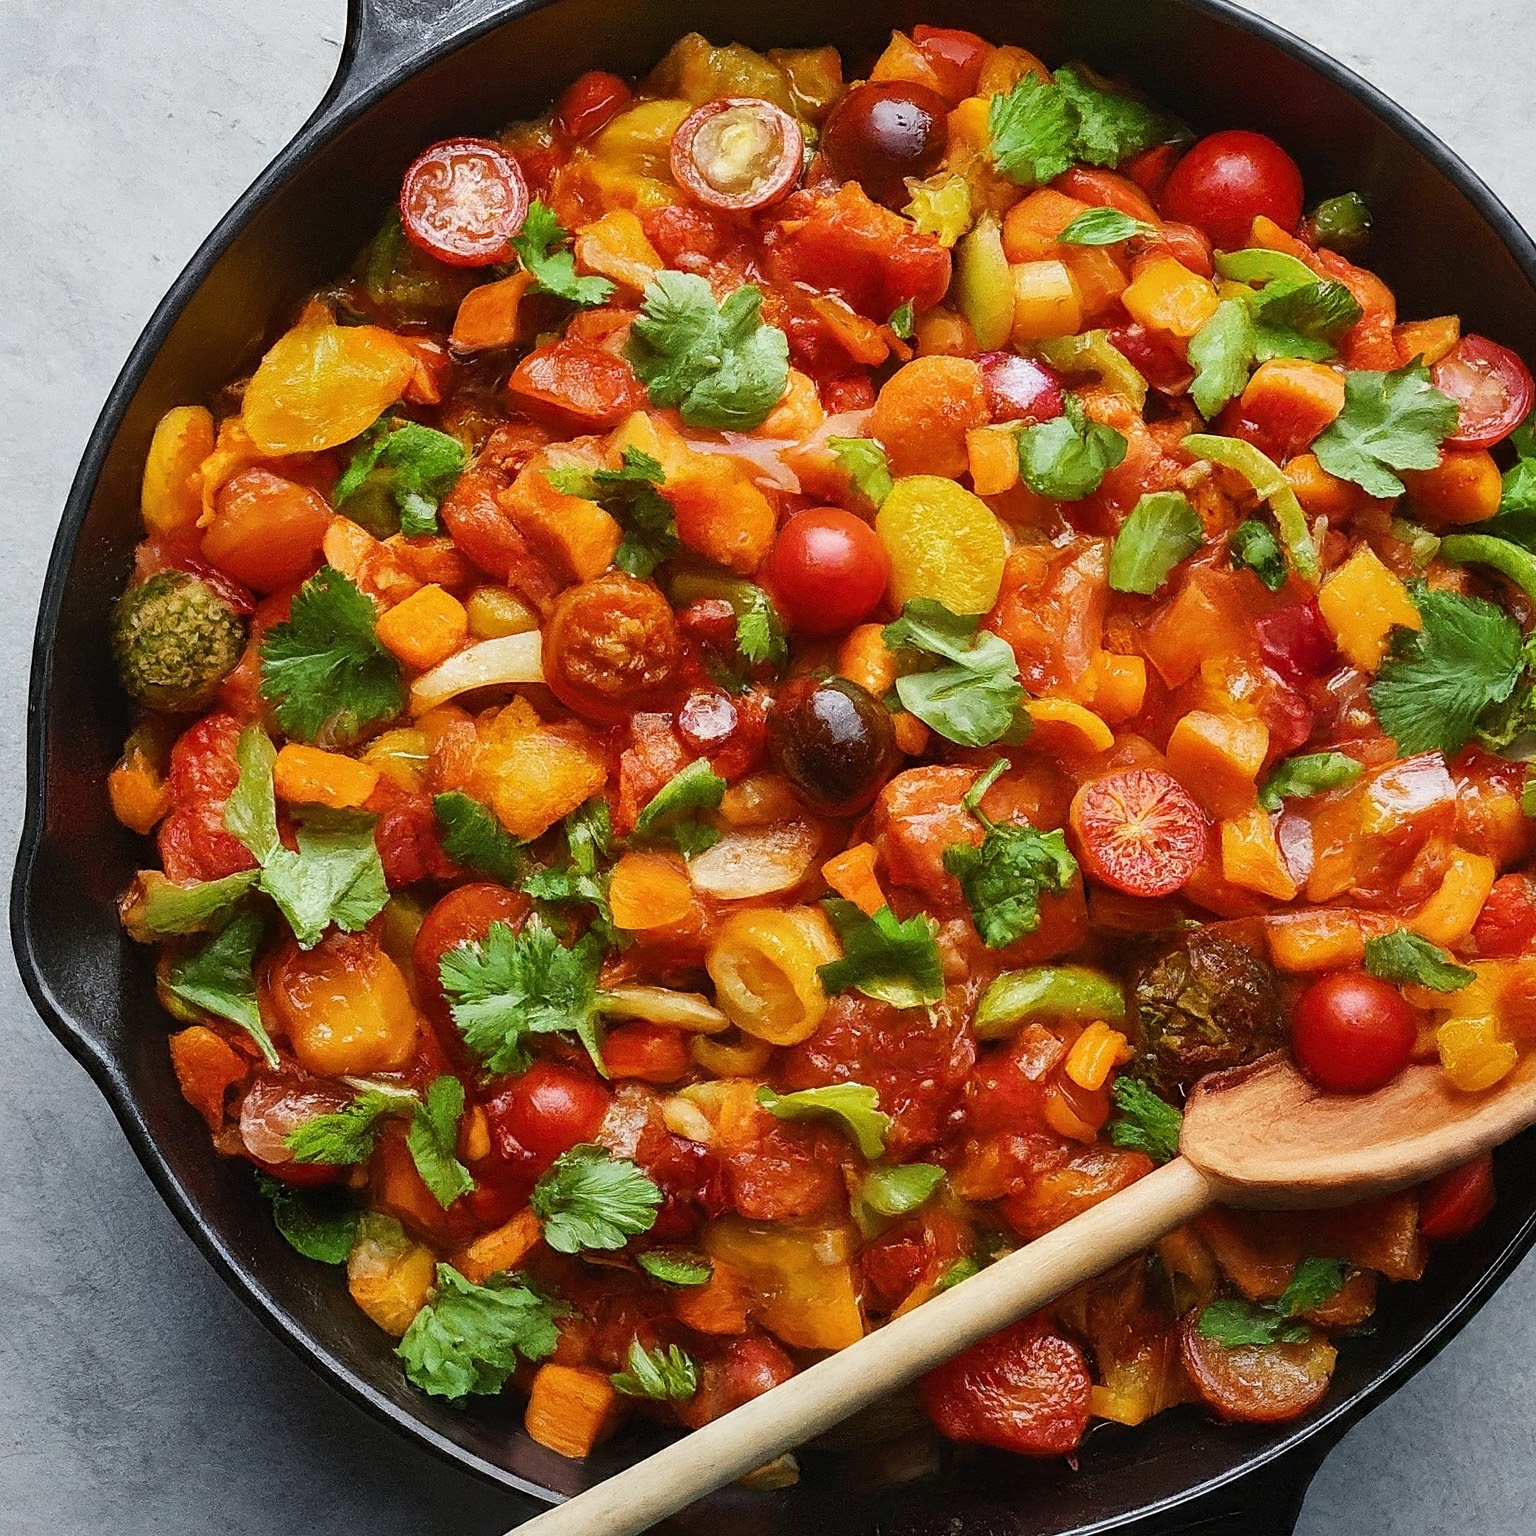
{"x":1020,"y":388}
{"x":1256,"y":1383}
{"x":610,"y":647}
{"x":1458,"y":1201}
{"x":827,"y":570}
{"x":955,"y":56}
{"x":272,"y":1110}
{"x":1139,"y":831}
{"x":1227,"y":180}
{"x":1507,"y":924}
{"x":1024,"y":1390}
{"x":1492,"y":387}
{"x":591,"y":102}
{"x":463,"y":200}
{"x":738,"y":153}
{"x":1352,"y":1033}
{"x":266,"y":530}
{"x":548,"y":1110}
{"x":576,"y":386}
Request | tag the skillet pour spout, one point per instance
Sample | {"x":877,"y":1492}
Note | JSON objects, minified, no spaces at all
{"x":416,"y":70}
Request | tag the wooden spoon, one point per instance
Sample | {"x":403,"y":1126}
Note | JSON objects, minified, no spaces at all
{"x":1259,"y":1136}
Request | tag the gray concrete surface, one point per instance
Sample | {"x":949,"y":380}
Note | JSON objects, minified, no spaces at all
{"x":136,"y":1394}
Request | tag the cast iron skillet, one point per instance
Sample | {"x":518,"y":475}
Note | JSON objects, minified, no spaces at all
{"x":416,"y":70}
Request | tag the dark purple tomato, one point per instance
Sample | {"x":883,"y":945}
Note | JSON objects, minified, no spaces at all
{"x":832,"y":741}
{"x":884,"y":131}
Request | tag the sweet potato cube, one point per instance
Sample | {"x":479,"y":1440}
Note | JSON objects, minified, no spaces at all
{"x":570,"y":1409}
{"x":206,"y":1066}
{"x":1217,"y":757}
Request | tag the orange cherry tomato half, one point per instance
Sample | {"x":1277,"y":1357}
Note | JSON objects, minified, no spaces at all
{"x":1139,"y":831}
{"x":738,"y":153}
{"x":1492,"y":387}
{"x":590,"y":103}
{"x":1458,"y":1201}
{"x":463,"y":200}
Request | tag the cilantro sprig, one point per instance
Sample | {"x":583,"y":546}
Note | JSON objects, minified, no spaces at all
{"x":320,"y":1224}
{"x":590,"y":1199}
{"x":324,"y":671}
{"x":1391,"y":421}
{"x":631,"y":496}
{"x":220,"y":979}
{"x":348,"y":1135}
{"x":432,"y":1139}
{"x":1234,"y":1322}
{"x":1162,"y":530}
{"x":1143,"y":1121}
{"x":663,"y":1375}
{"x":1066,"y":458}
{"x":897,"y":962}
{"x":416,"y":465}
{"x":973,"y":694}
{"x":719,"y":364}
{"x":541,"y":249}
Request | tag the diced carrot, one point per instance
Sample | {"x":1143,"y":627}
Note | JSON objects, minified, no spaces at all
{"x":1464,"y":487}
{"x":719,"y":1306}
{"x":206,"y":1066}
{"x":138,"y":791}
{"x":941,"y":332}
{"x":1166,"y":296}
{"x":1322,"y":939}
{"x":1095,"y":1054}
{"x":1067,"y":728}
{"x":852,"y":875}
{"x":1452,"y":912}
{"x":649,"y":890}
{"x":1250,"y":855}
{"x":1362,"y":602}
{"x":1033,"y":226}
{"x":647,"y":1053}
{"x":170,"y":499}
{"x":1119,"y":686}
{"x":1217,"y":758}
{"x":1291,"y":400}
{"x":428,"y":627}
{"x":503,"y":1247}
{"x":994,"y":459}
{"x":1046,"y":302}
{"x":615,"y":246}
{"x":1099,"y":279}
{"x":312,"y":776}
{"x":1321,"y":494}
{"x":570,"y":1409}
{"x":488,"y":315}
{"x":1429,"y":339}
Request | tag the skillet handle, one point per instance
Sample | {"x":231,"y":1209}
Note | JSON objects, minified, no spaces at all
{"x":385,"y":39}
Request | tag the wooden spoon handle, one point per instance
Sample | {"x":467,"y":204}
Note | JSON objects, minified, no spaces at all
{"x":813,"y":1401}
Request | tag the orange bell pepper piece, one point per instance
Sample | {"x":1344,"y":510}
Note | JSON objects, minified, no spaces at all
{"x":312,"y":776}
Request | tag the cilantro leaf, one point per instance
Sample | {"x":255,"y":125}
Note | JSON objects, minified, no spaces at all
{"x":320,"y":1224}
{"x":508,"y":987}
{"x":1502,"y":724}
{"x":759,"y":629}
{"x":854,"y":1104}
{"x":1305,"y":320}
{"x":433,"y":1138}
{"x":1162,"y":530}
{"x":863,"y":460}
{"x":592,"y":1199}
{"x":157,"y":908}
{"x":903,"y":319}
{"x":1429,"y":694}
{"x":589,"y":840}
{"x":663,"y":1375}
{"x":1221,"y":353}
{"x":324,"y":671}
{"x":469,"y":1339}
{"x":1233,"y":1322}
{"x":472,"y":836}
{"x":1143,"y":1121}
{"x":219,"y":979}
{"x":675,"y":1266}
{"x":554,"y":270}
{"x":1253,"y":544}
{"x":348,"y":1135}
{"x":1066,"y":458}
{"x":897,"y":962}
{"x":719,"y":364}
{"x":1295,"y":778}
{"x":1006,"y":876}
{"x":1111,"y":126}
{"x":630,"y":496}
{"x":674,"y":812}
{"x":589,"y":835}
{"x":1104,"y":226}
{"x":1391,"y":421}
{"x":897,"y":1190}
{"x":975,"y":700}
{"x":415,"y":464}
{"x":1404,"y":957}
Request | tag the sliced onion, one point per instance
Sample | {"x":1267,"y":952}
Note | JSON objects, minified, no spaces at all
{"x":756,"y":861}
{"x":661,"y":1005}
{"x":502,"y":662}
{"x":759,"y":454}
{"x":275,"y":1108}
{"x":844,"y":424}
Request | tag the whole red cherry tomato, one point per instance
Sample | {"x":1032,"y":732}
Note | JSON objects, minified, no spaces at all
{"x":738,"y":153}
{"x":1458,"y":1201}
{"x":591,"y":101}
{"x":549,"y":1109}
{"x":463,"y":200}
{"x":1492,"y":387}
{"x":1227,"y":180}
{"x":828,"y":570}
{"x":1139,"y":831}
{"x":1019,"y":388}
{"x":1352,"y":1033}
